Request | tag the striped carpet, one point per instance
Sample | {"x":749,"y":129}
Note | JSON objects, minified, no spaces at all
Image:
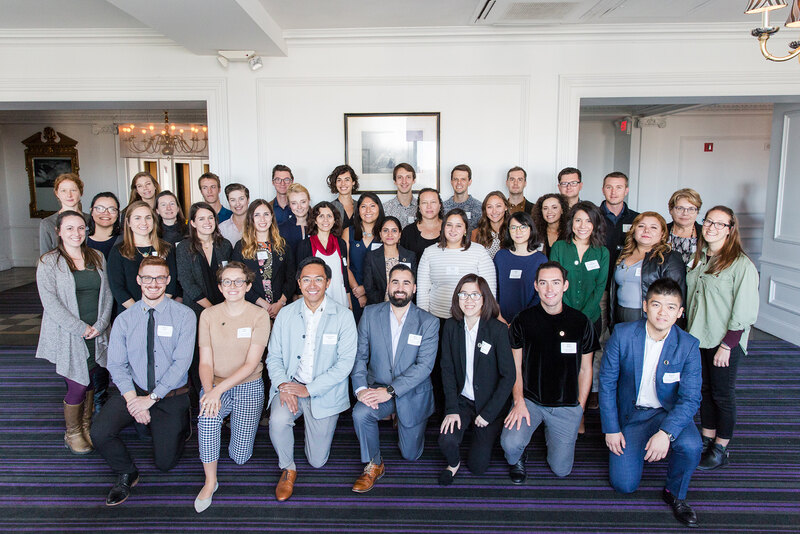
{"x":45,"y":489}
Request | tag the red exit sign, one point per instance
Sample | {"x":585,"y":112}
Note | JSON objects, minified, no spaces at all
{"x":708,"y":147}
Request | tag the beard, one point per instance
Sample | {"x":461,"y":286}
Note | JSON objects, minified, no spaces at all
{"x":400,"y":302}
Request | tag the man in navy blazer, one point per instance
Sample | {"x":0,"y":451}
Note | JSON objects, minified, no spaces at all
{"x":397,"y":343}
{"x":650,"y":382}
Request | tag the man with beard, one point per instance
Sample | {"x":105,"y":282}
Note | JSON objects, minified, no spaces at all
{"x":397,"y":344}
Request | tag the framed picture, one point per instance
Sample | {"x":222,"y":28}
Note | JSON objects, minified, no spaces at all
{"x":47,"y":155}
{"x":375,"y":142}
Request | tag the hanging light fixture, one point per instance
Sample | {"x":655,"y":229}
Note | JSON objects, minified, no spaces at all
{"x":765,"y":31}
{"x":169,"y":141}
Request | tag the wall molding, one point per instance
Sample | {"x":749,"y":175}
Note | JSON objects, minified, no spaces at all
{"x":782,"y":178}
{"x":44,"y":37}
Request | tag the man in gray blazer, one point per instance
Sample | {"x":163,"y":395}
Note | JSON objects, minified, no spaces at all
{"x":397,"y":344}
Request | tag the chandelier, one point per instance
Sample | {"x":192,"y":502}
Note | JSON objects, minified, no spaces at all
{"x":171,"y":140}
{"x":766,"y":31}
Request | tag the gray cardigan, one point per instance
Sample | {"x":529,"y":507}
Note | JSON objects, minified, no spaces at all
{"x":60,"y":339}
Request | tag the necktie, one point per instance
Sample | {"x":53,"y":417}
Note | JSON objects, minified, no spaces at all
{"x":151,"y":356}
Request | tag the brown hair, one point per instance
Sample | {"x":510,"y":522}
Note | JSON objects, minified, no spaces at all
{"x":541,"y":224}
{"x":438,"y":197}
{"x":249,"y":275}
{"x":216,"y":237}
{"x":134,"y":196}
{"x":659,"y":250}
{"x":598,"y":237}
{"x":208,"y":176}
{"x":127,"y":249}
{"x":91,"y":258}
{"x":336,"y":231}
{"x":338,"y":171}
{"x":463,"y":167}
{"x":230,"y":188}
{"x":156,"y":261}
{"x":731,"y":249}
{"x":692,"y":196}
{"x":249,"y":239}
{"x":489,"y":309}
{"x":484,"y":229}
{"x":616,"y":174}
{"x":455,"y":212}
{"x":516,"y":168}
{"x":405,"y":167}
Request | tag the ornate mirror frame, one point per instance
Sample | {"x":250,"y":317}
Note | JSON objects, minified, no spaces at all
{"x":47,"y":155}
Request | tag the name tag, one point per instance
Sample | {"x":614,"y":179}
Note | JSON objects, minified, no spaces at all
{"x":485,"y":347}
{"x":515,"y":274}
{"x":224,"y":263}
{"x":626,"y":227}
{"x":592,"y":265}
{"x":407,"y":264}
{"x":261,"y":254}
{"x":375,"y":246}
{"x":638,"y":272}
{"x":452,"y":269}
{"x":411,"y":219}
{"x":344,"y":261}
{"x":414,"y":339}
{"x":329,"y":339}
{"x":671,"y":378}
{"x":244,"y":332}
{"x":164,"y":330}
{"x":569,"y":347}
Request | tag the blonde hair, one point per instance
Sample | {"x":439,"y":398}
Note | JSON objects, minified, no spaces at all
{"x":692,"y":196}
{"x":659,"y":250}
{"x":249,"y":239}
{"x":298,"y":188}
{"x":128,"y":249}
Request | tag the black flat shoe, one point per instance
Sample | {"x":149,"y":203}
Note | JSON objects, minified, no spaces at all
{"x":445,"y":477}
{"x":517,"y":472}
{"x":680,"y":509}
{"x":122,"y":489}
{"x":716,"y":456}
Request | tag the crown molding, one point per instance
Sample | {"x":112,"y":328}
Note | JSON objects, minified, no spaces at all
{"x":82,"y":36}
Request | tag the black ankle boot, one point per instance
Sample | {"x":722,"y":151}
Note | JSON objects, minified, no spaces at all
{"x":706,"y":444}
{"x":716,"y":456}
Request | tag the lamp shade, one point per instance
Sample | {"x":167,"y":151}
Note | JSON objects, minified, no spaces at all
{"x":794,"y":15}
{"x":759,"y":6}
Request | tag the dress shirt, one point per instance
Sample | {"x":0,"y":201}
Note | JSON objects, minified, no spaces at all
{"x":405,"y":214}
{"x":175,"y":328}
{"x":305,"y":371}
{"x":471,"y":337}
{"x":647,"y":387}
{"x":397,"y":328}
{"x":229,"y":231}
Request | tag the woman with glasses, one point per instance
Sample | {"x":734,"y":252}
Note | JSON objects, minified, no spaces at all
{"x":550,"y":218}
{"x":76,"y":299}
{"x":325,"y":227}
{"x":684,"y":207}
{"x":491,"y":227}
{"x":427,"y":231}
{"x":516,"y":265}
{"x":172,"y":222}
{"x":379,"y":262}
{"x":295,"y":229}
{"x":645,"y":257}
{"x":264,"y":251}
{"x":362,"y":237}
{"x":722,"y":305}
{"x":478,"y":374}
{"x":68,"y":189}
{"x":139,"y":240}
{"x":232,"y":336}
{"x":103,"y":229}
{"x":344,"y":181}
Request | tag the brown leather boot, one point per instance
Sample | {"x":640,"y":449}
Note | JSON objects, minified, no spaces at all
{"x":73,"y":437}
{"x":86,"y":420}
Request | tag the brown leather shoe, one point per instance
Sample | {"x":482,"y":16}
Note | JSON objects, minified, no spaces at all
{"x":371,"y":474}
{"x":285,"y":485}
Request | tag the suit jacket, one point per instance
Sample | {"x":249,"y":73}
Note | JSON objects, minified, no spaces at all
{"x":190,"y":271}
{"x":409,"y":373}
{"x":332,"y":361}
{"x":375,"y":272}
{"x":678,"y":377}
{"x":493,"y":373}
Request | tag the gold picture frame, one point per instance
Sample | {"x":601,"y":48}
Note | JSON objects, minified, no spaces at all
{"x":47,"y":154}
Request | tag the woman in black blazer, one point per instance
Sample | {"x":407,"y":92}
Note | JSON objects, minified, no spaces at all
{"x":266,"y":253}
{"x":379,"y":261}
{"x":684,"y":207}
{"x":477,"y":382}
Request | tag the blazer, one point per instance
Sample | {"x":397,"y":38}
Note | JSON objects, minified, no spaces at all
{"x":493,"y":373}
{"x":375,"y":272}
{"x":283,"y":273}
{"x":304,"y":251}
{"x":332,"y":361}
{"x":190,"y":271}
{"x":61,"y":337}
{"x":409,"y":372}
{"x":678,"y":377}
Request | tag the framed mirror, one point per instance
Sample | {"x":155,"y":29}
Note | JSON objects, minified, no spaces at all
{"x":47,"y":154}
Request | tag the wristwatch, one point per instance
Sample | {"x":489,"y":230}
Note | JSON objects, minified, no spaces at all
{"x":154,"y":397}
{"x":390,"y":391}
{"x":670,"y":436}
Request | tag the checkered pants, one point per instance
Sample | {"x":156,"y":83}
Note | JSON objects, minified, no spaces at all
{"x":244,"y":404}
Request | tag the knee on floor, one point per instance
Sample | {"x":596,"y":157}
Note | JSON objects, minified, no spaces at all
{"x":625,"y":486}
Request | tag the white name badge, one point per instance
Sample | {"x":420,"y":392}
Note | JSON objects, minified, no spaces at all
{"x":452,"y":269}
{"x":485,"y":347}
{"x":592,"y":265}
{"x":626,"y":227}
{"x":224,"y":263}
{"x":515,"y":274}
{"x":244,"y":332}
{"x":261,"y":254}
{"x":414,"y":339}
{"x":671,"y":378}
{"x":329,"y":339}
{"x":569,"y":347}
{"x":407,"y":264}
{"x":411,"y":219}
{"x":375,"y":246}
{"x":469,"y":215}
{"x":344,"y":261}
{"x":164,"y":330}
{"x":638,"y":272}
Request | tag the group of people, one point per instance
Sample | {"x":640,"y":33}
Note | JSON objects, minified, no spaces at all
{"x":493,"y":315}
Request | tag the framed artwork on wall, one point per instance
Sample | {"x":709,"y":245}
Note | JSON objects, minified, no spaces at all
{"x":374,"y":143}
{"x":47,"y":154}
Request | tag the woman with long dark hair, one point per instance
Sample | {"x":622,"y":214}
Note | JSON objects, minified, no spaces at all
{"x":103,"y":229}
{"x":722,"y":305}
{"x":550,"y":218}
{"x":324,"y":242}
{"x":491,"y":227}
{"x":379,"y":262}
{"x":343,"y":181}
{"x":76,"y":302}
{"x":362,"y":237}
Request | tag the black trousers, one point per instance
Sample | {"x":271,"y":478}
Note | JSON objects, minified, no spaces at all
{"x":483,"y":439}
{"x":718,"y":407}
{"x":169,"y":425}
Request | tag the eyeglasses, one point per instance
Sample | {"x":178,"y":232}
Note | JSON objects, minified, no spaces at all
{"x":236,"y":283}
{"x":518,"y":227}
{"x":151,"y":279}
{"x":683,"y":209}
{"x":103,"y":209}
{"x":718,"y":225}
{"x":463,"y":295}
{"x":282,"y":180}
{"x":568,"y":184}
{"x":307,"y":280}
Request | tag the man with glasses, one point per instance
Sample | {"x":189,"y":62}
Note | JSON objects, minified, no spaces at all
{"x":552,"y":346}
{"x":516,"y":180}
{"x":403,"y":205}
{"x":397,"y":345}
{"x":282,"y":178}
{"x":570,"y":184}
{"x":149,"y":353}
{"x":311,"y":353}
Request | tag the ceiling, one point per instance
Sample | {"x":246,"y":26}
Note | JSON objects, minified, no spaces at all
{"x":206,"y":26}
